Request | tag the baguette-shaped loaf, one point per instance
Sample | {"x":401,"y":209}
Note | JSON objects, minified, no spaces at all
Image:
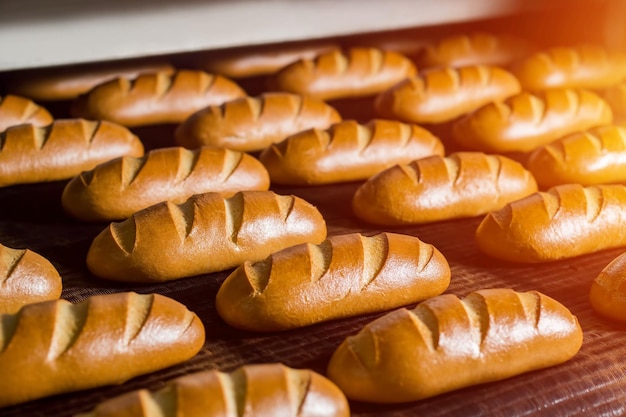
{"x":118,"y":188}
{"x":26,"y":277}
{"x":56,"y":347}
{"x":442,"y":95}
{"x":254,"y":123}
{"x":357,"y":72}
{"x":270,"y":389}
{"x":447,"y":343}
{"x":566,"y":221}
{"x":61,"y":150}
{"x":463,"y":184}
{"x":155,"y":98}
{"x":69,"y":82}
{"x":595,"y":156}
{"x":615,"y":96}
{"x":526,"y":121}
{"x":16,"y":110}
{"x":344,"y":276}
{"x":584,"y":66}
{"x":262,"y":60}
{"x":347,"y":151}
{"x":479,"y":48}
{"x":206,"y":233}
{"x":607,"y":295}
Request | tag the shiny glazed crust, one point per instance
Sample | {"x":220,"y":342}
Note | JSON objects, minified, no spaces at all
{"x":607,"y":296}
{"x":55,"y":347}
{"x":565,"y":221}
{"x":253,"y":123}
{"x":204,"y":234}
{"x":118,"y":188}
{"x":442,"y":95}
{"x":358,"y":72}
{"x":344,"y":276}
{"x":155,"y":98}
{"x":62,"y":150}
{"x":347,"y":151}
{"x":447,"y":343}
{"x":464,"y":184}
{"x":252,"y":390}
{"x":16,"y":110}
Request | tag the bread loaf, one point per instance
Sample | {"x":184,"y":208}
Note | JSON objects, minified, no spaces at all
{"x":615,"y":96}
{"x":442,"y":95}
{"x":478,"y":48}
{"x":56,"y":347}
{"x":68,"y":82}
{"x":344,"y":276}
{"x":16,"y":110}
{"x":583,"y":66}
{"x":566,"y":221}
{"x":595,"y":156}
{"x":31,"y":154}
{"x":26,"y":277}
{"x":606,"y":295}
{"x":447,"y":343}
{"x":526,"y":121}
{"x":347,"y":151}
{"x":206,"y":233}
{"x":253,"y":123}
{"x":155,"y":98}
{"x":252,"y":390}
{"x":357,"y":72}
{"x":118,"y":188}
{"x":464,"y":184}
{"x":254,"y":61}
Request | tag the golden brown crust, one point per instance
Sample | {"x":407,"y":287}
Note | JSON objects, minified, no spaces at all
{"x":253,"y":123}
{"x":155,"y":98}
{"x":16,"y":110}
{"x":270,"y":389}
{"x":566,"y":221}
{"x":118,"y":188}
{"x":607,"y":295}
{"x":442,"y":95}
{"x":447,"y":343}
{"x":347,"y":151}
{"x":464,"y":184}
{"x":584,"y":66}
{"x":26,"y":277}
{"x":615,"y":96}
{"x":207,"y":233}
{"x":358,"y":72}
{"x":30,"y":154}
{"x":54,"y":347}
{"x":526,"y":121}
{"x":594,"y":156}
{"x":477,"y":48}
{"x":66,"y":83}
{"x":344,"y":276}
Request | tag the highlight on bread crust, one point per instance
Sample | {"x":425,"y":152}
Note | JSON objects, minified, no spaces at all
{"x":594,"y":156}
{"x":116,"y":189}
{"x":62,"y":150}
{"x":582,"y":66}
{"x":525,"y":121}
{"x":55,"y":347}
{"x":442,"y":95}
{"x":344,"y":276}
{"x":566,"y":221}
{"x":607,"y":296}
{"x":16,"y":110}
{"x":447,"y":343}
{"x":26,"y":277}
{"x":347,"y":151}
{"x":253,"y":123}
{"x":269,"y":389}
{"x":435,"y":188}
{"x":207,"y":233}
{"x":357,"y":72}
{"x":155,"y":98}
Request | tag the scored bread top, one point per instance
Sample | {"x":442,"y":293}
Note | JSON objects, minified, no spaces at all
{"x":16,"y":110}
